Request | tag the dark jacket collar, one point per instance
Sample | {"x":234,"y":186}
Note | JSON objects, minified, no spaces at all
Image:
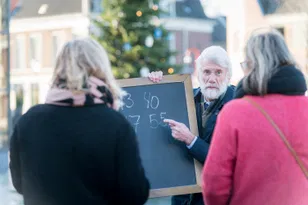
{"x":224,"y":98}
{"x":211,"y":112}
{"x":287,"y":81}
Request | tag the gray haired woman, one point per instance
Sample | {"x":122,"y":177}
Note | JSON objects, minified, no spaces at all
{"x":259,"y":152}
{"x":76,"y":148}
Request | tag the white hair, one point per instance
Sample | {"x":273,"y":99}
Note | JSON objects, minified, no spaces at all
{"x":78,"y":60}
{"x":217,"y":55}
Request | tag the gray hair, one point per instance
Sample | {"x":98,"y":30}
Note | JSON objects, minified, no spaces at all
{"x":78,"y":60}
{"x":265,"y":51}
{"x":217,"y":55}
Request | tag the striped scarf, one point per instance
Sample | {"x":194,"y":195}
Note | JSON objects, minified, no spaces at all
{"x":97,"y":93}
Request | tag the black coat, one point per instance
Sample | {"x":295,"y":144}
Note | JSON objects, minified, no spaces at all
{"x":201,"y":147}
{"x":76,"y":156}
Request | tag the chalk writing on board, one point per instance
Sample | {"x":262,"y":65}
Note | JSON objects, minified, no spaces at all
{"x":135,"y":120}
{"x":151,"y":102}
{"x":162,"y":117}
{"x":156,"y":121}
{"x":129,"y":101}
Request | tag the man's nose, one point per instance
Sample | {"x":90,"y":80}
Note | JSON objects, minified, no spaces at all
{"x":212,"y":78}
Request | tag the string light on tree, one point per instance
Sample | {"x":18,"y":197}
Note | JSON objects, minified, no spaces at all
{"x":139,"y":13}
{"x":170,"y":70}
{"x":155,"y":7}
{"x":135,"y":37}
{"x":155,"y":21}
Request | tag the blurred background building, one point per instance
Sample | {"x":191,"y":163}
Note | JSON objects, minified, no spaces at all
{"x":38,"y":30}
{"x":41,"y":27}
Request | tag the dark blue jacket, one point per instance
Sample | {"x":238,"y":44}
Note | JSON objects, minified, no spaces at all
{"x":201,"y":147}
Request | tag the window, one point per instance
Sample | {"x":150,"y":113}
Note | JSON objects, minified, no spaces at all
{"x":17,"y":96}
{"x":35,"y":94}
{"x":35,"y":51}
{"x":57,"y":42}
{"x":20,"y":50}
{"x":3,"y":104}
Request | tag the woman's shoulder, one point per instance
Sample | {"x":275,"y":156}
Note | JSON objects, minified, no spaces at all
{"x":235,"y":105}
{"x":243,"y":105}
{"x":36,"y":110}
{"x":100,"y":112}
{"x":237,"y":109}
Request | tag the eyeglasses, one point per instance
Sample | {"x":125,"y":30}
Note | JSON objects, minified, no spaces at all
{"x":245,"y":64}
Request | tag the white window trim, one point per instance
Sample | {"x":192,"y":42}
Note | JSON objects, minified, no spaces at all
{"x":40,"y":50}
{"x":48,"y":23}
{"x":23,"y":61}
{"x":61,"y":36}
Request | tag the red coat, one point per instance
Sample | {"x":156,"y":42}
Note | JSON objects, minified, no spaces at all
{"x":248,"y":163}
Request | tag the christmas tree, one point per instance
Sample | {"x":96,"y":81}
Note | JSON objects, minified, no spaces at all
{"x":135,"y":40}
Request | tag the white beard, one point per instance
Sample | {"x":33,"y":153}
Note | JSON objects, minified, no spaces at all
{"x":214,"y":93}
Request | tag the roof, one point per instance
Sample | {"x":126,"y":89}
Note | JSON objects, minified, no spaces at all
{"x":269,"y":6}
{"x":190,"y":9}
{"x":220,"y":32}
{"x":30,"y":8}
{"x":282,"y":6}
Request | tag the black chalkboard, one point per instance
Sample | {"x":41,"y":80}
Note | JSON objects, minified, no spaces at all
{"x":167,"y":163}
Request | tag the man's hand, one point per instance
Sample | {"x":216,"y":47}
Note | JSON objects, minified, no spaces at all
{"x":156,"y":76}
{"x":180,"y":131}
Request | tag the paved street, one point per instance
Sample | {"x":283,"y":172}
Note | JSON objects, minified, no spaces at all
{"x":8,"y":196}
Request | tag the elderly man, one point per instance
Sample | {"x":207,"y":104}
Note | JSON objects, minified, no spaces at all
{"x":214,"y":73}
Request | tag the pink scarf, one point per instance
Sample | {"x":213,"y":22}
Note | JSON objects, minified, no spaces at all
{"x":98,"y":93}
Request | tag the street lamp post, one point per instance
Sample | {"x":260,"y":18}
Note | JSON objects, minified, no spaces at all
{"x":8,"y":69}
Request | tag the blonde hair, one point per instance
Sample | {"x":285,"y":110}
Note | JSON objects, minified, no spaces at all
{"x":78,"y":60}
{"x":265,"y":51}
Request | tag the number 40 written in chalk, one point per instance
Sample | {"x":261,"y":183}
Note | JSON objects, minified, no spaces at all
{"x":151,"y":101}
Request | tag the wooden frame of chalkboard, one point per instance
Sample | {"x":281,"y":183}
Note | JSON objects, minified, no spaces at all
{"x":186,"y":79}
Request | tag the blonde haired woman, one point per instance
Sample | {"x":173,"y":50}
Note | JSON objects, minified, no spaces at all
{"x":259,"y":152}
{"x":76,"y":148}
